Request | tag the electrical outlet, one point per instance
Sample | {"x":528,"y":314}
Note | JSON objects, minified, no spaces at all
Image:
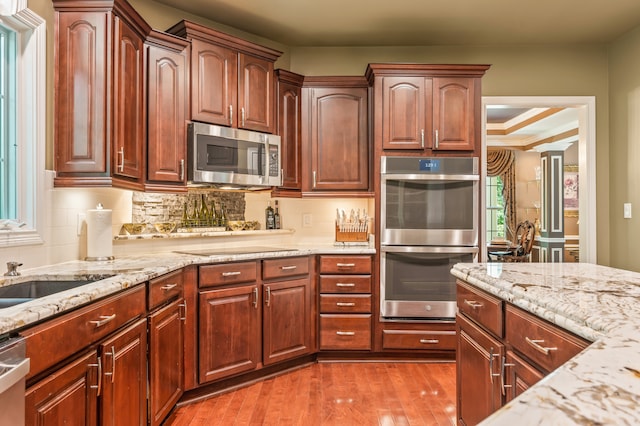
{"x":306,"y":220}
{"x":627,"y":211}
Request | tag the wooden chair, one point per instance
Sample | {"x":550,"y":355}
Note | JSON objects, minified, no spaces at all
{"x":520,"y":250}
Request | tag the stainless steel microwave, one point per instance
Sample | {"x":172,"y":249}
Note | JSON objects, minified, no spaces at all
{"x":233,"y":158}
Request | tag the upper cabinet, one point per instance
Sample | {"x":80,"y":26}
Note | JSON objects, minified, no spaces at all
{"x":232,"y":80}
{"x":289,"y":106}
{"x":120,"y":99}
{"x":99,"y":94}
{"x":426,"y":108}
{"x":335,"y":137}
{"x":167,"y":108}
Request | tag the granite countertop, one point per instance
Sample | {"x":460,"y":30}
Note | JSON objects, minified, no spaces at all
{"x":599,"y":386}
{"x":127,"y":272}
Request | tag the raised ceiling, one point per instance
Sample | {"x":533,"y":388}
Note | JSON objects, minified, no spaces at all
{"x":422,"y":22}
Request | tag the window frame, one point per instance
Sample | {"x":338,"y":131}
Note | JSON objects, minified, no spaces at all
{"x":30,"y":126}
{"x":492,"y":232}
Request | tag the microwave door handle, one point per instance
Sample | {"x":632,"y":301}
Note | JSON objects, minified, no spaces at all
{"x":428,"y":177}
{"x":262,"y":157}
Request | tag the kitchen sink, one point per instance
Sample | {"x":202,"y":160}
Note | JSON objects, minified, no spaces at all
{"x":28,"y":290}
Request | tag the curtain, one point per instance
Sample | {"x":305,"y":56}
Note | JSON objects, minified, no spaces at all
{"x":501,"y":163}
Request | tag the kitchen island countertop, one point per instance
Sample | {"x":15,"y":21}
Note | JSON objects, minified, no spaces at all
{"x":126,"y":272}
{"x":601,"y":385}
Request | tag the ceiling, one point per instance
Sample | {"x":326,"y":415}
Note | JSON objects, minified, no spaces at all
{"x":422,"y":22}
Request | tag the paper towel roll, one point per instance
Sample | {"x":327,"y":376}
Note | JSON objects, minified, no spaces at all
{"x":99,"y":239}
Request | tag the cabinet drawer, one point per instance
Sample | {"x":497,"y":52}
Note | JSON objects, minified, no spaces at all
{"x":414,"y":339}
{"x":228,"y":273}
{"x":345,"y":284}
{"x":59,"y":338}
{"x":347,"y":332}
{"x":483,"y":308}
{"x":338,"y":303}
{"x":541,"y":342}
{"x":287,"y":267}
{"x":345,"y":264}
{"x":165,"y":288}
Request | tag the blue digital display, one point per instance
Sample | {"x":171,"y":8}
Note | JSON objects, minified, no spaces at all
{"x":430,"y":165}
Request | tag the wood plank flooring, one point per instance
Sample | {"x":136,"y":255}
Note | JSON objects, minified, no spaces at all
{"x":336,"y":393}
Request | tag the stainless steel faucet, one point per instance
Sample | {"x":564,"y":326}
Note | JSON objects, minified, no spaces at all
{"x":12,"y":269}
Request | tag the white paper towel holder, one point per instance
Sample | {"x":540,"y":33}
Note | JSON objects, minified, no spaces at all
{"x":99,"y":207}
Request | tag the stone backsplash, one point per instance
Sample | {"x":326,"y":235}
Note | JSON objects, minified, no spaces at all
{"x":156,"y":207}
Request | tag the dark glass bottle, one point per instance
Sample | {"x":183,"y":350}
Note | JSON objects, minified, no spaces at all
{"x":276,"y":217}
{"x":223,"y":216}
{"x":213,"y":214}
{"x":270,"y":221}
{"x":204,"y":211}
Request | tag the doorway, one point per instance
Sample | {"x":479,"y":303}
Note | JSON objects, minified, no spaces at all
{"x":585,"y":106}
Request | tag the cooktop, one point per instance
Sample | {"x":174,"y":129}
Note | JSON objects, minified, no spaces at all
{"x":233,"y":250}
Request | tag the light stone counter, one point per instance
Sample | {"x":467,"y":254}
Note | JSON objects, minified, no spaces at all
{"x":126,"y":272}
{"x":601,"y":385}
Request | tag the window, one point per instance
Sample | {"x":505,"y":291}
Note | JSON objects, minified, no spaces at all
{"x":8,"y":185}
{"x":495,"y":209}
{"x":22,"y":124}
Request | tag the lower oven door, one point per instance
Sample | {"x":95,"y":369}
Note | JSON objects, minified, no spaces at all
{"x":416,"y":282}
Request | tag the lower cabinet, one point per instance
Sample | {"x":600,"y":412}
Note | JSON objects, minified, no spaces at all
{"x":107,"y":386}
{"x":246,"y":322}
{"x":502,"y":351}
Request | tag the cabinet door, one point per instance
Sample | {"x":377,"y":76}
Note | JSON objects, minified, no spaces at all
{"x":128,"y":103}
{"x":166,"y":109}
{"x":519,"y":376}
{"x":289,"y":108}
{"x":286,"y":320}
{"x":339,"y":140}
{"x":80,"y":93}
{"x":454,"y":114}
{"x":256,"y":96}
{"x":229,"y":332}
{"x":214,"y":85}
{"x":406,"y":112}
{"x":68,"y":396}
{"x":124,"y":376}
{"x":166,"y":360}
{"x":478,"y":371}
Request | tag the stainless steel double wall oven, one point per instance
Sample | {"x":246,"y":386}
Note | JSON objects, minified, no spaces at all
{"x":429,"y":220}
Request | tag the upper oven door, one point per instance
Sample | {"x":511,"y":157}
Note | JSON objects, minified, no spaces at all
{"x":430,"y":210}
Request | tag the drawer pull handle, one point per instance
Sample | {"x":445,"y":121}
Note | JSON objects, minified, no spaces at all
{"x":430,"y":341}
{"x":491,"y":357}
{"x":231,"y":274}
{"x":168,"y":287}
{"x":345,"y":285}
{"x":473,"y":303}
{"x":104,"y":319}
{"x":536,"y":345}
{"x":98,"y":387}
{"x":345,"y":304}
{"x":346,"y":333}
{"x":345,"y":265}
{"x":288,"y":268}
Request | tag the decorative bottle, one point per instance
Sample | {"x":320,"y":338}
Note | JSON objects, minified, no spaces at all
{"x":204,"y":211}
{"x":223,"y":216}
{"x":276,"y":217}
{"x":270,"y":222}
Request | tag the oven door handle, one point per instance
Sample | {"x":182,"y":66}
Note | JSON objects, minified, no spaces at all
{"x":428,"y":177}
{"x":429,"y":249}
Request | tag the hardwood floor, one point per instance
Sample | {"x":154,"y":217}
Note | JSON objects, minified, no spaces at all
{"x":336,"y":393}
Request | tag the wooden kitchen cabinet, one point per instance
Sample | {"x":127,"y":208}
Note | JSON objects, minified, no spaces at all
{"x":230,"y":332}
{"x":232,"y":80}
{"x":345,"y":302}
{"x":426,"y":108}
{"x":335,"y":137}
{"x":287,"y":309}
{"x":502,"y":351}
{"x":124,"y":376}
{"x":128,"y":107}
{"x":99,"y":94}
{"x":289,"y":110}
{"x":166,"y":349}
{"x":167,"y":107}
{"x":68,"y":396}
{"x":106,"y":378}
